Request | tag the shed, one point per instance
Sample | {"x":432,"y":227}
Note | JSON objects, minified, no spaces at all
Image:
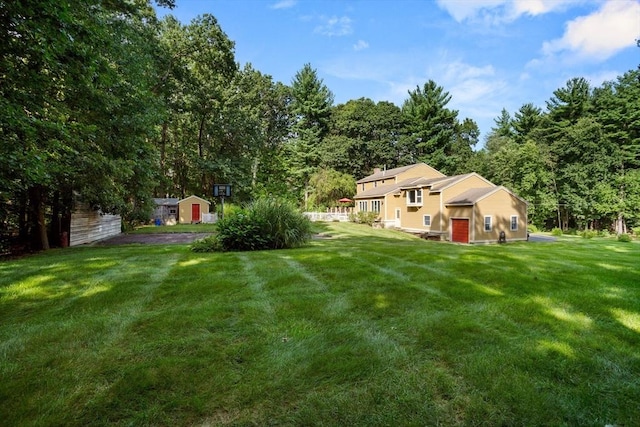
{"x":191,"y":209}
{"x":89,"y":225}
{"x":166,"y":209}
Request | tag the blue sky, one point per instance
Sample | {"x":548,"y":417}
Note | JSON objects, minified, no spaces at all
{"x":488,"y":54}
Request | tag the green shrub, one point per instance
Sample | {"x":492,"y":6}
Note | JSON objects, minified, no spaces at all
{"x":208,"y":244}
{"x":264,"y":224}
{"x":604,"y":233}
{"x":363,"y":217}
{"x":556,"y":232}
{"x":531,"y":228}
{"x":624,"y":237}
{"x":588,"y":234}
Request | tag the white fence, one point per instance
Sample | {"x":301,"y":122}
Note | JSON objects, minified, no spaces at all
{"x":327,"y":216}
{"x":209,"y":218}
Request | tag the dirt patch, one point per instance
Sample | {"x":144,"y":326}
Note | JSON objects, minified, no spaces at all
{"x":154,"y":239}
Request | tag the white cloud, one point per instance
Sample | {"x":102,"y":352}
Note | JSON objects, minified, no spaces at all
{"x":600,"y":35}
{"x":284,"y":4}
{"x":360,"y":45}
{"x":334,"y":26}
{"x":494,"y":12}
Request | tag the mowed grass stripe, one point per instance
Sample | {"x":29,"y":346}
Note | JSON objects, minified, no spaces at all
{"x":75,"y":321}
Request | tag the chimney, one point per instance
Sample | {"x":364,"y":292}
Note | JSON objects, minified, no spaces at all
{"x":376,"y":170}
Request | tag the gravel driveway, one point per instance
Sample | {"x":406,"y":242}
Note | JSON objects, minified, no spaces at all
{"x":154,"y":238}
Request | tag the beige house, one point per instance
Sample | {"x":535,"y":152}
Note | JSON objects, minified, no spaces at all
{"x":191,"y":209}
{"x":463,"y":208}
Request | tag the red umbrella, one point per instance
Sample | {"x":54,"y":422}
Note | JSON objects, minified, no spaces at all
{"x":345,"y":200}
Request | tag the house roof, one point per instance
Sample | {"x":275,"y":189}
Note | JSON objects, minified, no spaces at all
{"x":474,"y":195}
{"x":471,"y":196}
{"x":389,"y":173}
{"x":169,"y":201}
{"x":383,"y":190}
{"x":195,"y":197}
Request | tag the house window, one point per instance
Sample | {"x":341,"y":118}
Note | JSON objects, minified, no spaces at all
{"x":375,"y":206}
{"x":426,"y":220}
{"x":173,"y":211}
{"x":362,"y":205}
{"x":487,"y":223}
{"x":514,"y":222}
{"x":363,"y":186}
{"x":414,"y":197}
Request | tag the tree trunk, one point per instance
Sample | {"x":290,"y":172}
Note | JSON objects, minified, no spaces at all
{"x":254,"y":172}
{"x":40,"y":239}
{"x":56,"y":228}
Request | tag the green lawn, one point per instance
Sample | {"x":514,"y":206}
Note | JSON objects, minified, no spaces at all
{"x":368,"y":327}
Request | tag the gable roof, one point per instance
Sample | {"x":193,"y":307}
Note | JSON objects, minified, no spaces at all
{"x":383,"y":190}
{"x":167,"y":201}
{"x":456,"y":179}
{"x":389,"y":173}
{"x":474,"y":195}
{"x":194,"y":197}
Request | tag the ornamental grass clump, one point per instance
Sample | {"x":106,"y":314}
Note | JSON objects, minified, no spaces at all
{"x":264,"y":224}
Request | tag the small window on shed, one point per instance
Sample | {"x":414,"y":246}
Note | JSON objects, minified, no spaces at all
{"x":487,"y":223}
{"x":514,"y":222}
{"x":426,"y":220}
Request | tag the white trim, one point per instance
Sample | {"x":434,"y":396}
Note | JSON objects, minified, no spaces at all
{"x":418,"y":197}
{"x":424,"y":220}
{"x":194,"y":197}
{"x":484,"y":223}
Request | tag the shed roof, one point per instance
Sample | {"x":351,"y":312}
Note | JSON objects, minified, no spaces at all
{"x":168,"y":201}
{"x":194,"y":197}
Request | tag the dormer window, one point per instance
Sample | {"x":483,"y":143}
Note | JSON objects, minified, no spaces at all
{"x":414,"y":197}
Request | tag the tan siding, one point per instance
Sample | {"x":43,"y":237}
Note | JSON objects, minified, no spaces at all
{"x":392,"y":202}
{"x":413,"y":216}
{"x":421,"y":170}
{"x":500,"y":206}
{"x":473,"y":181}
{"x":88,"y":226}
{"x":184,"y":209}
{"x":433,"y":205}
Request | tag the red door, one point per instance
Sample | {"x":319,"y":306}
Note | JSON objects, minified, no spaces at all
{"x":195,"y":213}
{"x":460,"y":230}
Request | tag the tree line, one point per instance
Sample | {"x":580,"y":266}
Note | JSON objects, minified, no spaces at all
{"x":102,"y":102}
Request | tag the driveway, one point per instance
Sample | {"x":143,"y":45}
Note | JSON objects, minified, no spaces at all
{"x":541,"y":238}
{"x":154,"y":238}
